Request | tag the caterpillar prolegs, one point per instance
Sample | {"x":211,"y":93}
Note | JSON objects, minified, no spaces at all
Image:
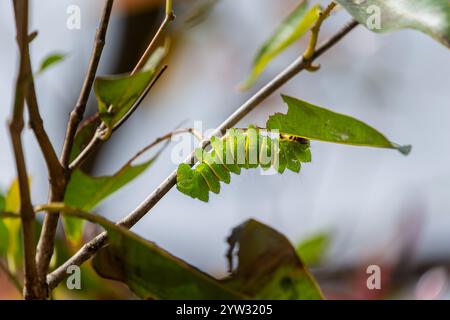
{"x":240,"y":149}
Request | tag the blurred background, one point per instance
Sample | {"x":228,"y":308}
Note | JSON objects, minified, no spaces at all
{"x":377,"y":206}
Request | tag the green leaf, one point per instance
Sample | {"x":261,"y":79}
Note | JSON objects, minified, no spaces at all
{"x":312,"y":250}
{"x":12,"y":200}
{"x":290,"y":30}
{"x":14,"y":244}
{"x":244,"y":149}
{"x":83,"y":136}
{"x":4,"y":235}
{"x":148,"y":270}
{"x":86,"y":192}
{"x":429,"y":16}
{"x":153,"y":273}
{"x":50,"y":61}
{"x":121,"y":92}
{"x":2,"y":202}
{"x":315,"y":123}
{"x":3,"y":229}
{"x":268,"y":268}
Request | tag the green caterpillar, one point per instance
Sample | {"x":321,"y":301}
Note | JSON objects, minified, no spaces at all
{"x":240,"y":149}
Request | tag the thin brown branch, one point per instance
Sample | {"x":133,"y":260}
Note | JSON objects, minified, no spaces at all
{"x":78,"y":112}
{"x":152,"y":45}
{"x":32,"y":289}
{"x":165,"y":137}
{"x":55,"y":170}
{"x":47,"y":238}
{"x":98,"y":137}
{"x":90,"y":248}
{"x":9,"y":215}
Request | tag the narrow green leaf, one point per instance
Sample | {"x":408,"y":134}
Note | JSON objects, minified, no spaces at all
{"x":4,"y":235}
{"x":2,"y":202}
{"x":83,"y":136}
{"x":312,"y":250}
{"x":3,"y":229}
{"x":86,"y":192}
{"x":50,"y":61}
{"x":121,"y":92}
{"x":12,"y":200}
{"x":429,"y":16}
{"x":14,"y":244}
{"x":315,"y":123}
{"x":290,"y":30}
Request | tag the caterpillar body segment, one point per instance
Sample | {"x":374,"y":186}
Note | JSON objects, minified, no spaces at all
{"x":215,"y":164}
{"x":240,"y":149}
{"x":225,"y":157}
{"x":191,"y":182}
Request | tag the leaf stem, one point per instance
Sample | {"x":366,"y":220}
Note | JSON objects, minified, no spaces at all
{"x":169,"y":17}
{"x":169,"y":9}
{"x":315,"y":34}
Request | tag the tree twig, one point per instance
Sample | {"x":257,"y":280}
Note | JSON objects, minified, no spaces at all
{"x":55,"y":170}
{"x":97,"y":139}
{"x":90,"y":248}
{"x":9,"y":215}
{"x":78,"y":112}
{"x":32,"y":289}
{"x":169,"y":17}
{"x":165,"y":137}
{"x":47,"y":238}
